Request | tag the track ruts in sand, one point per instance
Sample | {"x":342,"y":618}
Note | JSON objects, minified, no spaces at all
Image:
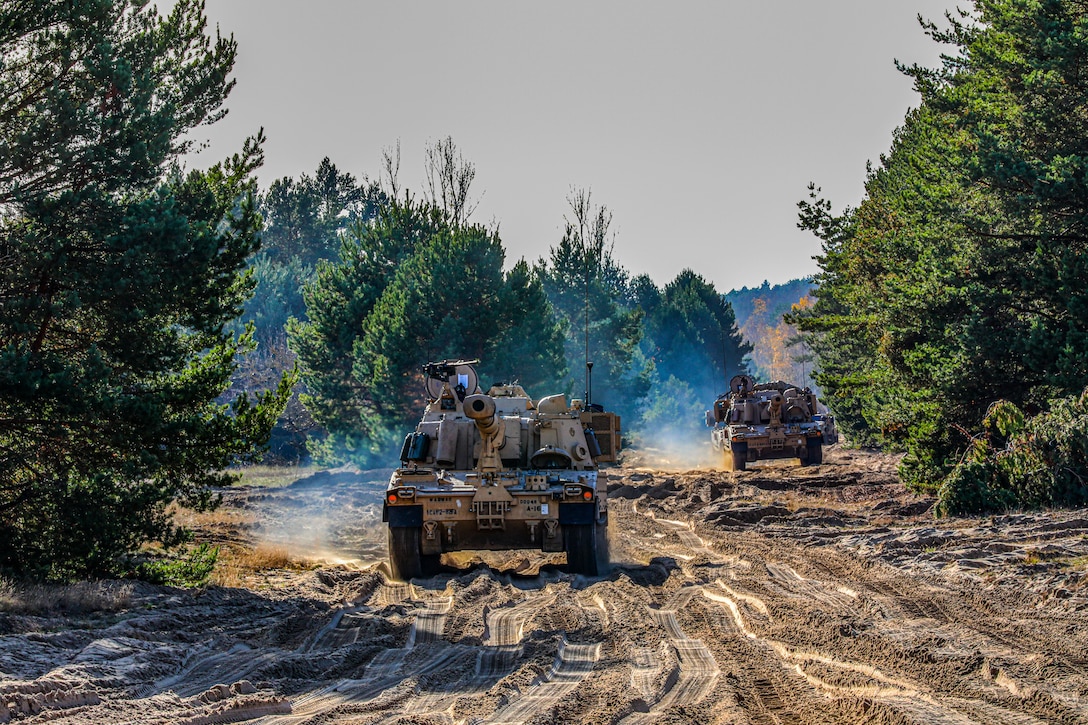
{"x":775,"y":682}
{"x":974,"y":630}
{"x":572,"y":664}
{"x":701,"y":621}
{"x":913,"y":608}
{"x":756,"y":676}
{"x":388,"y":669}
{"x":494,"y":659}
{"x":697,"y":670}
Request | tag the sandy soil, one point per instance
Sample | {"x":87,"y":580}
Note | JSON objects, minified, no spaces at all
{"x":778,"y":595}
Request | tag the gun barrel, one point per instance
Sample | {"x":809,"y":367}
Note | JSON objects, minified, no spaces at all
{"x":481,"y":409}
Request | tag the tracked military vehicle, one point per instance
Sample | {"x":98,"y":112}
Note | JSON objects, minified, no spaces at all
{"x":772,"y":420}
{"x":498,"y":471}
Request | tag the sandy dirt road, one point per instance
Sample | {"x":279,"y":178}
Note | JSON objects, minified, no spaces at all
{"x":777,"y":595}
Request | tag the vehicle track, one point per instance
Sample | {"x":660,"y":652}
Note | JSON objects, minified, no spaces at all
{"x":824,"y":674}
{"x":389,"y":668}
{"x":761,"y":696}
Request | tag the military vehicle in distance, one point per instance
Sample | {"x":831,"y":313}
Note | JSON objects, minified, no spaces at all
{"x":498,"y":471}
{"x":771,"y":420}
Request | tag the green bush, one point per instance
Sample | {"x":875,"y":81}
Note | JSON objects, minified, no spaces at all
{"x":1021,"y":462}
{"x":188,"y":572}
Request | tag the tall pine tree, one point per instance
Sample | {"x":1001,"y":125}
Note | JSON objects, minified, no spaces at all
{"x":959,"y":280}
{"x":119,"y":275}
{"x":695,"y":347}
{"x":591,"y":295}
{"x":413,"y":286}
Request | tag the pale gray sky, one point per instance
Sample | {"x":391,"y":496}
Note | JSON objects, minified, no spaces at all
{"x":699,"y":124}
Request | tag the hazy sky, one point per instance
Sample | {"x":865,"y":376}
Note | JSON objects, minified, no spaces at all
{"x":698,"y":124}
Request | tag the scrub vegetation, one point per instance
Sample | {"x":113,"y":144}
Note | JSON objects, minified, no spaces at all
{"x":959,"y":281}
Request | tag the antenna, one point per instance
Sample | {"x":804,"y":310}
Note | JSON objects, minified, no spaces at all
{"x":589,"y":383}
{"x":589,"y":365}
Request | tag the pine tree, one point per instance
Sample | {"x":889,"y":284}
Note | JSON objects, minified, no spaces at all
{"x":695,"y":337}
{"x":593,"y":302}
{"x":959,"y":280}
{"x":119,"y":276}
{"x":695,"y":348}
{"x":411,"y":287}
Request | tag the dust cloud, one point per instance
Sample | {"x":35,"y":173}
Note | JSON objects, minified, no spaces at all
{"x":330,"y":517}
{"x":674,"y":449}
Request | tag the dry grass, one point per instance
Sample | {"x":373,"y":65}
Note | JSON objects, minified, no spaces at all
{"x":1076,"y":563}
{"x":78,"y":598}
{"x":228,"y":517}
{"x":237,"y":566}
{"x":273,"y":476}
{"x":266,"y":556}
{"x":224,"y":518}
{"x":220,"y":517}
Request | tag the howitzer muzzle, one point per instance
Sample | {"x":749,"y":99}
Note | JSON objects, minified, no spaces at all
{"x":481,"y":409}
{"x":776,"y":409}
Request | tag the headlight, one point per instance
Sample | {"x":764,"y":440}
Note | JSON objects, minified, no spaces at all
{"x":581,"y":492}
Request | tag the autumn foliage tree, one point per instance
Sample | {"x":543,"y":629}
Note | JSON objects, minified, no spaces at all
{"x":779,"y":350}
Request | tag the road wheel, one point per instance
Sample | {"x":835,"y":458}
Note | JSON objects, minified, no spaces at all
{"x":405,"y":559}
{"x":815,"y":454}
{"x":740,"y":457}
{"x":580,"y":542}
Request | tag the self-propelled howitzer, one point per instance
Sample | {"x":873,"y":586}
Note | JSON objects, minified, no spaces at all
{"x":498,"y":471}
{"x":772,"y":420}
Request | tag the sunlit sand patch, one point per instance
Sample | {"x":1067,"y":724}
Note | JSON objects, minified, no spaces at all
{"x":522,"y":562}
{"x":650,"y":514}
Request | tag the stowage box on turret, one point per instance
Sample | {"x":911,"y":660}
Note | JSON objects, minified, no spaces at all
{"x":498,"y":471}
{"x":772,"y":420}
